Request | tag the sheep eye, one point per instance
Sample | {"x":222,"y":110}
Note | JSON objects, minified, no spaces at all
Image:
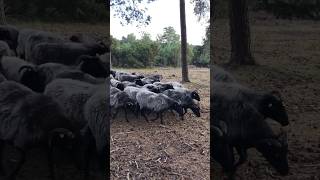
{"x":61,"y":135}
{"x":270,"y":105}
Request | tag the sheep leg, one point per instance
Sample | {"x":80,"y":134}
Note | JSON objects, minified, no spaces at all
{"x":51,"y":163}
{"x":1,"y":155}
{"x":161,"y":118}
{"x":22,"y":159}
{"x":114,"y":115}
{"x":185,"y":111}
{"x":243,"y":156}
{"x":144,"y":115}
{"x":126,"y":115}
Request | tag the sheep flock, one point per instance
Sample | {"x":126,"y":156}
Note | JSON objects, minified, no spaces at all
{"x":145,"y":94}
{"x":53,"y":96}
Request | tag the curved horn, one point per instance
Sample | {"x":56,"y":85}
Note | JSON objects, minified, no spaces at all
{"x":216,"y":131}
{"x":25,"y":67}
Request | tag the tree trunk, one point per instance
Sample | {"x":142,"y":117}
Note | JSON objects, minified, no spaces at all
{"x":2,"y":12}
{"x":184,"y":64}
{"x":240,"y":33}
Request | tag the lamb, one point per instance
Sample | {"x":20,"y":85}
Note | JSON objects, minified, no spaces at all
{"x":269,"y":104}
{"x":245,"y":128}
{"x":29,"y":119}
{"x":158,"y":103}
{"x":5,"y":49}
{"x":184,"y":99}
{"x":9,"y":34}
{"x":18,"y":70}
{"x":220,"y":75}
{"x":64,"y":52}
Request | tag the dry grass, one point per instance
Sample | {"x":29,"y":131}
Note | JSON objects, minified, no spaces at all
{"x":176,"y":150}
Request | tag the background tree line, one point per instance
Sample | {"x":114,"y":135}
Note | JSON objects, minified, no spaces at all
{"x":57,"y":10}
{"x":164,"y":51}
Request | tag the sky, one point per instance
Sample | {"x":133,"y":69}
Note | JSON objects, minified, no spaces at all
{"x":163,"y":13}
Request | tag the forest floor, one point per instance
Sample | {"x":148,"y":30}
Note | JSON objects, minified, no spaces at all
{"x":288,"y":54}
{"x":176,"y":150}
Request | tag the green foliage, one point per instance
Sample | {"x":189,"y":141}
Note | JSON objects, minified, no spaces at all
{"x":131,"y":10}
{"x":141,"y":53}
{"x":57,"y":10}
{"x":201,"y":54}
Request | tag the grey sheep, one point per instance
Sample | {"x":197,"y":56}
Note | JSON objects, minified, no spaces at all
{"x":163,"y":86}
{"x":176,"y":85}
{"x":114,"y":90}
{"x":63,"y":52}
{"x":121,"y":100}
{"x":22,"y":40}
{"x":50,"y":71}
{"x":184,"y":99}
{"x":193,"y":94}
{"x":117,"y":84}
{"x":127,"y":77}
{"x":245,"y":128}
{"x":157,"y":103}
{"x":269,"y":104}
{"x":152,"y":88}
{"x":18,"y":70}
{"x":127,"y":83}
{"x":220,"y":75}
{"x":149,"y":80}
{"x":34,"y":38}
{"x":96,"y":113}
{"x":72,"y":96}
{"x":29,"y":119}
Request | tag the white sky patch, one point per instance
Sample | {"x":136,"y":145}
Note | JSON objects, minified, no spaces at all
{"x":163,"y":13}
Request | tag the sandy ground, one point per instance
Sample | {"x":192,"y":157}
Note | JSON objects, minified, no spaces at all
{"x":288,"y":57}
{"x":176,"y":150}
